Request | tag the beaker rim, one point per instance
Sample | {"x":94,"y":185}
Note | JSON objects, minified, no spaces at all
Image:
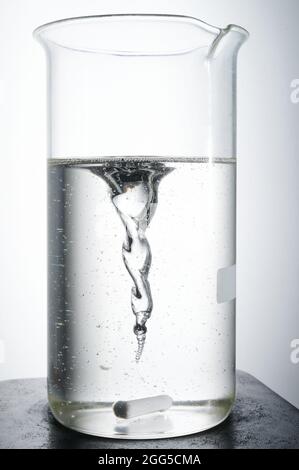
{"x":206,"y":29}
{"x":165,"y":16}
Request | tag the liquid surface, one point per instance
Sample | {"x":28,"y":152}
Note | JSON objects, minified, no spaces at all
{"x":144,"y":237}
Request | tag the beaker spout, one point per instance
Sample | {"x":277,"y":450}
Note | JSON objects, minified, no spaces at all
{"x":228,"y":42}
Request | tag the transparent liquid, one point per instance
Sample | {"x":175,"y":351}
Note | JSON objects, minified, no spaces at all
{"x":135,"y":246}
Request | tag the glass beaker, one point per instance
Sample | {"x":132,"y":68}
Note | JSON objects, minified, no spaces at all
{"x":141,"y":224}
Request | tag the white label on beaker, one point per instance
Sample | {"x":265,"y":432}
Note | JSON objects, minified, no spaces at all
{"x":2,"y":353}
{"x":226,"y":284}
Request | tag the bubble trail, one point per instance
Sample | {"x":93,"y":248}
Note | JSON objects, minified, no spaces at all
{"x":134,"y":193}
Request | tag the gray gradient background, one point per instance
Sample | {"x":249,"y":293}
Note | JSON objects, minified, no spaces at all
{"x":268,"y":173}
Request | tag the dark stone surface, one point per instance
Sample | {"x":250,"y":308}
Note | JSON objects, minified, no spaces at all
{"x":260,"y":419}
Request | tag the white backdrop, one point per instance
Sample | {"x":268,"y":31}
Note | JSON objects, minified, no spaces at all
{"x":268,"y":189}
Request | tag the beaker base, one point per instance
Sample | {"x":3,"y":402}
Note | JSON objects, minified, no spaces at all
{"x":182,"y":419}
